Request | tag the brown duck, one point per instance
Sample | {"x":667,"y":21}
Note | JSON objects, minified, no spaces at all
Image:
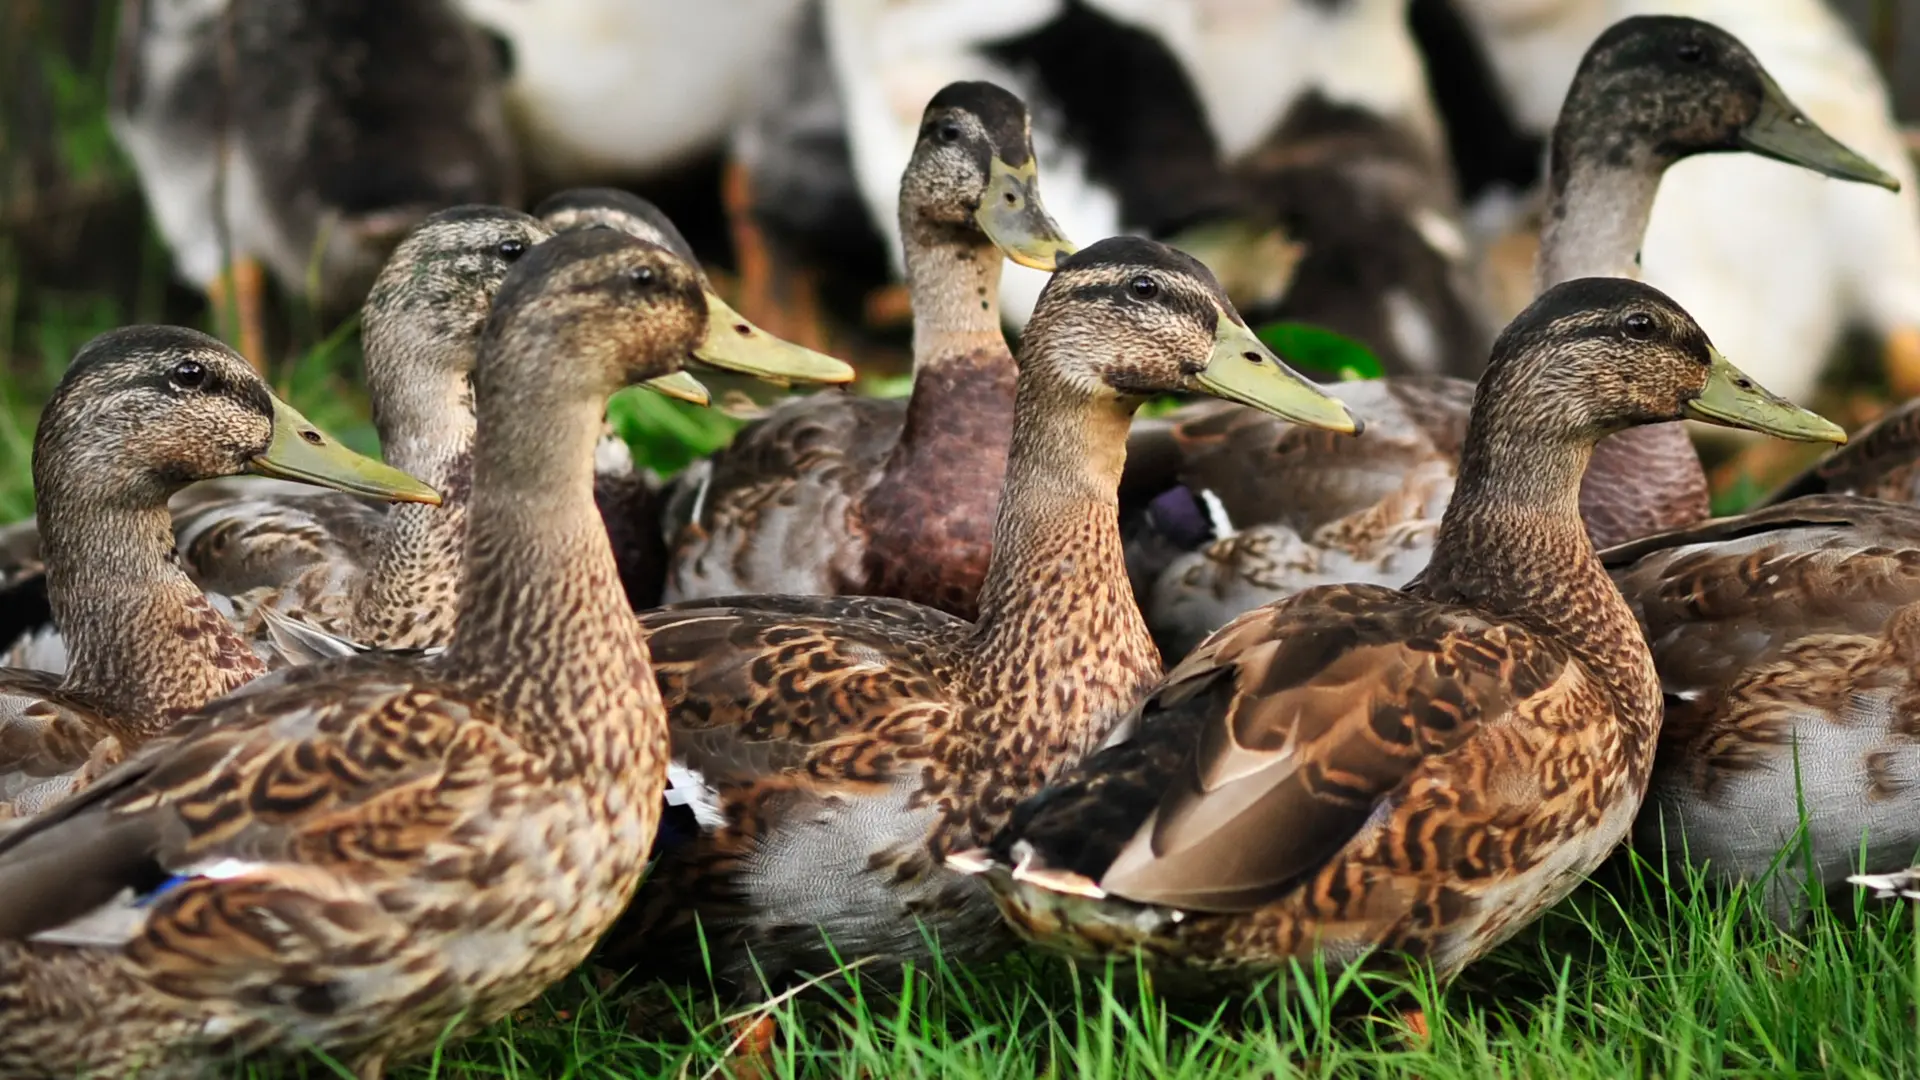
{"x":1788,"y":646}
{"x":837,"y":495}
{"x":1357,"y":771}
{"x":382,"y":851}
{"x":141,"y":413}
{"x":1287,"y":509}
{"x":830,"y":751}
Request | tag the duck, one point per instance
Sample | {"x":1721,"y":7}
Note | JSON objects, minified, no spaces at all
{"x":388,"y":579}
{"x":304,"y":139}
{"x":1121,"y":129}
{"x":140,"y":413}
{"x":834,"y":494}
{"x":1787,"y":641}
{"x":386,"y":851}
{"x":1367,"y":510}
{"x":829,"y":750}
{"x":1719,"y":223}
{"x":1362,"y":775}
{"x":1383,"y":256}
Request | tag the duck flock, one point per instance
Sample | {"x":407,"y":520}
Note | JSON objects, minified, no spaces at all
{"x":1355,"y":673}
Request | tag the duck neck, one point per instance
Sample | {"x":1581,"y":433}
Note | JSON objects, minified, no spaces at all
{"x":1512,"y":542}
{"x":1059,"y":631}
{"x":943,"y":476}
{"x":143,"y":643}
{"x":1598,"y":206}
{"x":426,"y":429}
{"x":1599,"y":203}
{"x":544,"y":636}
{"x":953,"y":278}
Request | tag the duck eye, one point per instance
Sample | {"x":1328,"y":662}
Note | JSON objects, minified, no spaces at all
{"x":1639,"y":325}
{"x":948,"y":132}
{"x":512,"y":249}
{"x":1692,"y":52}
{"x":1143,"y":288}
{"x":188,"y":374}
{"x":641,"y":277}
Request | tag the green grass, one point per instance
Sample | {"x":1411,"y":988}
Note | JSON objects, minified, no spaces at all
{"x":1633,"y":981}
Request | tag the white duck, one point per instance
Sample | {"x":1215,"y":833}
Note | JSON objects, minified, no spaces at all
{"x":605,"y":90}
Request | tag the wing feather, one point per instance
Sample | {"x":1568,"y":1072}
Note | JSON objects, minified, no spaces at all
{"x":1306,"y":717}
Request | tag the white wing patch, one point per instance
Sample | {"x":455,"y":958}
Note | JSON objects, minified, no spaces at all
{"x":686,"y":787}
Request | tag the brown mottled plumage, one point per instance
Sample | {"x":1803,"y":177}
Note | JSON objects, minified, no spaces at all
{"x":1418,"y":772}
{"x":838,"y":495}
{"x":379,"y":852}
{"x":1788,"y":646}
{"x":393,"y":582}
{"x":1650,"y":92}
{"x":141,"y":413}
{"x":835,"y":749}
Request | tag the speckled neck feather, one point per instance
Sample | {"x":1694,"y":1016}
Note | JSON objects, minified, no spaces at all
{"x":1056,"y":597}
{"x":426,"y":429}
{"x":544,"y":635}
{"x":1512,"y":542}
{"x":953,"y":275}
{"x":143,"y":643}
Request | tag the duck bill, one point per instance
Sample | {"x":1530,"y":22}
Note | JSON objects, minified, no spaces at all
{"x":1243,"y":369}
{"x":1012,"y":217}
{"x":1732,"y":399}
{"x":680,"y":386}
{"x":1782,"y":132}
{"x":734,"y":344}
{"x":300,"y":451}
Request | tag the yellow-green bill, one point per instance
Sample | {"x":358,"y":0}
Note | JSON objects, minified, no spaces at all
{"x":301,"y":451}
{"x":734,"y":344}
{"x":1013,"y":218}
{"x":1243,"y":369}
{"x":1732,"y":399}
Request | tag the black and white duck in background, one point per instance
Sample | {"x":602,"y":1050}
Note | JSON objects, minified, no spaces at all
{"x":310,"y":146}
{"x":1138,"y":136}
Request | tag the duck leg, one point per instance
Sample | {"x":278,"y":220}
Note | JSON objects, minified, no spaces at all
{"x":237,"y":297}
{"x":778,"y":296}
